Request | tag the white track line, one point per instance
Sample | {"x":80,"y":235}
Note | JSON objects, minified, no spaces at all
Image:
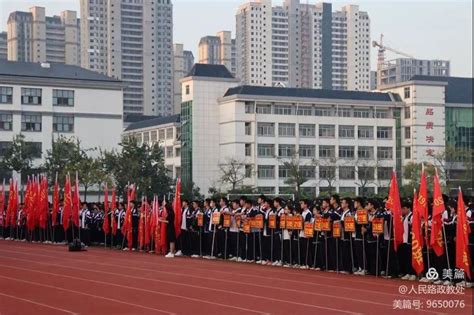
{"x":36,"y":303}
{"x":82,"y":293}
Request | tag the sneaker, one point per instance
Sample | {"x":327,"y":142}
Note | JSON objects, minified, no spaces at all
{"x":344,"y":272}
{"x":179,"y":253}
{"x":412,"y":278}
{"x":461,"y":284}
{"x":279,"y":264}
{"x":304,"y":267}
{"x":405,"y":277}
{"x":469,"y":284}
{"x":438,"y":282}
{"x":259,"y":262}
{"x":169,"y":255}
{"x":125,"y":248}
{"x":240,"y":259}
{"x":447,"y":282}
{"x":212,"y":257}
{"x":286,"y":266}
{"x":194,"y":256}
{"x":317,"y":269}
{"x":424,"y":279}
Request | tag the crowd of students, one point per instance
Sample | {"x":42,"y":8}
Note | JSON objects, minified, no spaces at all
{"x":270,"y":232}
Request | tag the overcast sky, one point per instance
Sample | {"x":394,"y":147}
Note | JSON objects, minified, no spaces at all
{"x":424,"y":28}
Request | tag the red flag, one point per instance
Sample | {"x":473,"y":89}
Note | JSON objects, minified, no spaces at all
{"x":393,"y":204}
{"x":417,"y":239}
{"x":30,"y":200}
{"x":43,"y":203}
{"x":156,"y":225}
{"x":141,"y":226}
{"x":463,"y":260}
{"x":178,"y":218}
{"x":423,"y":196}
{"x":163,"y":238}
{"x":148,"y":223}
{"x":54,"y":213}
{"x":12,"y":204}
{"x":106,"y":223}
{"x":2,"y":204}
{"x":436,"y":240}
{"x":114,"y":205}
{"x":67,"y":207}
{"x":76,"y":203}
{"x":127,"y":224}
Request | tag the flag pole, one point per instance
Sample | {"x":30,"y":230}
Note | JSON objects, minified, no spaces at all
{"x":389,"y":244}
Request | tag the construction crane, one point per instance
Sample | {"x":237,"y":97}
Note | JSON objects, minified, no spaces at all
{"x":381,"y":56}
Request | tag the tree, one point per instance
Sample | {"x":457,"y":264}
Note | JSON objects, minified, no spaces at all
{"x":296,"y":175}
{"x":191,"y":191}
{"x":19,"y":155}
{"x":365,"y":172}
{"x":412,"y":176}
{"x":327,"y":173}
{"x":233,"y":173}
{"x":62,"y":158}
{"x":450,"y":161}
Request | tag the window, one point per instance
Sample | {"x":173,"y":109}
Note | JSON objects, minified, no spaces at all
{"x":30,"y":96}
{"x":365,"y":173}
{"x":4,"y":145}
{"x":169,"y":133}
{"x":385,"y":153}
{"x":365,"y":132}
{"x":248,"y":149}
{"x":361,"y":113}
{"x":365,"y":153}
{"x":327,"y":131}
{"x":346,"y":152}
{"x":63,"y":123}
{"x":187,"y":89}
{"x":305,"y":111}
{"x":177,"y":152}
{"x":307,"y":130}
{"x":248,"y":170}
{"x":153,"y":136}
{"x":266,"y":150}
{"x":266,"y":129}
{"x":407,"y":112}
{"x":407,"y":132}
{"x":138,"y":137}
{"x":307,"y":151}
{"x":6,"y":122}
{"x":266,"y":171}
{"x":382,"y":114}
{"x":384,"y":132}
{"x":36,"y":149}
{"x":324,"y":111}
{"x":266,"y":190}
{"x":346,"y":131}
{"x":282,"y":110}
{"x":283,"y":171}
{"x":6,"y":95}
{"x":327,"y":172}
{"x":345,"y":112}
{"x":63,"y":97}
{"x":407,"y":153}
{"x":286,"y":130}
{"x":249,"y":107}
{"x":286,"y":150}
{"x":30,"y":122}
{"x":347,"y":190}
{"x":406,"y":92}
{"x":248,"y":129}
{"x":346,"y":172}
{"x":169,"y":152}
{"x":264,"y":109}
{"x":146,"y":137}
{"x":327,"y":151}
{"x":161,"y":134}
{"x":307,"y":172}
{"x":384,"y":173}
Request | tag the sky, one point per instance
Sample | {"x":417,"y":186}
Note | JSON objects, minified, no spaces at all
{"x":431,"y":29}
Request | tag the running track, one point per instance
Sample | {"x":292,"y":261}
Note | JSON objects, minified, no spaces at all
{"x":45,"y":279}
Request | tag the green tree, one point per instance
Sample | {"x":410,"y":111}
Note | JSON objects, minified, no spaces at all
{"x":296,"y":175}
{"x":191,"y":191}
{"x":455,"y":167}
{"x":62,"y":158}
{"x":412,"y":176}
{"x":233,"y":172}
{"x":19,"y":155}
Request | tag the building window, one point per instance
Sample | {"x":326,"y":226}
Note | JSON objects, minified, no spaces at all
{"x":286,"y":150}
{"x":266,"y":190}
{"x":146,"y":137}
{"x":307,"y":130}
{"x":325,"y":111}
{"x":169,"y":152}
{"x":307,"y":172}
{"x":248,"y":129}
{"x":407,"y":153}
{"x":381,"y":114}
{"x":63,"y":97}
{"x":30,"y":122}
{"x":6,"y":122}
{"x":385,"y":153}
{"x":365,"y":173}
{"x":153,"y":136}
{"x":248,"y":170}
{"x":384,"y":173}
{"x":4,"y":146}
{"x":282,"y":110}
{"x":327,"y":172}
{"x":361,"y":113}
{"x":407,"y":132}
{"x":327,"y":151}
{"x":384,"y":132}
{"x":187,"y":89}
{"x":63,"y":123}
{"x":264,"y":109}
{"x":346,"y":131}
{"x":266,"y":129}
{"x":248,"y":149}
{"x":406,"y":92}
{"x":161,"y":134}
{"x":36,"y":149}
{"x":327,"y":131}
{"x":305,"y":111}
{"x":365,"y":132}
{"x":249,"y":107}
{"x":346,"y":152}
{"x":345,"y":112}
{"x":6,"y":95}
{"x":286,"y":130}
{"x":266,"y":150}
{"x":177,"y":152}
{"x":283,"y":171}
{"x":266,"y":171}
{"x":30,"y":96}
{"x":365,"y":153}
{"x":407,"y":112}
{"x":307,"y":151}
{"x":346,"y":172}
{"x":169,"y":133}
{"x":347,"y":190}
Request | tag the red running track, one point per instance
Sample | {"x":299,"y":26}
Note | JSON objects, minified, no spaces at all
{"x":47,"y":279}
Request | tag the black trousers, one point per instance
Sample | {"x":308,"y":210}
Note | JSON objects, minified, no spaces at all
{"x":346,"y":255}
{"x":404,"y":257}
{"x":232,"y":244}
{"x":389,"y":253}
{"x":305,"y":251}
{"x":287,"y":252}
{"x":359,"y":254}
{"x":372,"y":258}
{"x":266,"y":247}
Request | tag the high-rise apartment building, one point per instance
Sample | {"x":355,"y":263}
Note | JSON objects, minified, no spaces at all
{"x":303,"y":45}
{"x":34,"y":37}
{"x":3,"y":46}
{"x":219,"y":50}
{"x":132,"y":40}
{"x":403,"y":69}
{"x":183,"y":62}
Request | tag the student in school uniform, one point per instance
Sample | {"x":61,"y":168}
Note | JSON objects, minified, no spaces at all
{"x":183,"y":239}
{"x":360,"y":240}
{"x":233,"y":250}
{"x":253,"y":209}
{"x":170,"y":231}
{"x":287,"y":260}
{"x":346,"y":238}
{"x":404,"y":251}
{"x":135,"y":224}
{"x":266,"y":233}
{"x":196,"y":230}
{"x":318,"y":240}
{"x":334,"y":248}
{"x":224,"y":209}
{"x":119,"y":217}
{"x":85,"y":217}
{"x":207,"y":234}
{"x":307,"y":216}
{"x":277,"y":237}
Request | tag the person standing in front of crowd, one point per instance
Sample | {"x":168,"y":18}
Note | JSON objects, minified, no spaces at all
{"x":360,"y":241}
{"x":183,"y":238}
{"x":85,"y":222}
{"x":170,"y":231}
{"x":221,"y":230}
{"x":334,"y":245}
{"x":277,"y":237}
{"x":119,"y":217}
{"x":207,"y":235}
{"x":233,"y":250}
{"x":404,"y":251}
{"x":266,"y":233}
{"x":135,"y":224}
{"x":307,"y":216}
{"x":196,"y":230}
{"x":347,"y":254}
